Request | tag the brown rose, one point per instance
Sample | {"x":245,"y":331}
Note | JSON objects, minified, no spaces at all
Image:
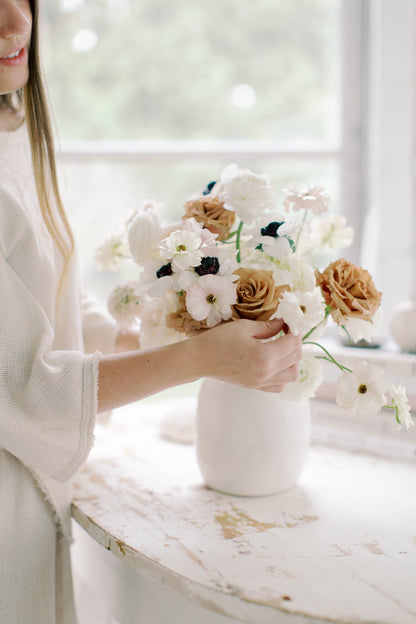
{"x":349,"y":291}
{"x":257,"y":295}
{"x":181,"y":321}
{"x":211,"y":213}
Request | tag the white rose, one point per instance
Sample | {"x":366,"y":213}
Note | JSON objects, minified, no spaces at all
{"x":248,"y":194}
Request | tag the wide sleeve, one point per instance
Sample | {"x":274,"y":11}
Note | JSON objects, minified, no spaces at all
{"x":48,"y":398}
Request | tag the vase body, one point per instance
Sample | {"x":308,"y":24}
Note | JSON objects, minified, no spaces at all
{"x":249,"y":442}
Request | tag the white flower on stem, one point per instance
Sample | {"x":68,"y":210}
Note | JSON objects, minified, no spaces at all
{"x":362,"y":390}
{"x":314,"y":198}
{"x":124,"y":303}
{"x":182,"y":249}
{"x":301,"y":311}
{"x":309,"y":379}
{"x":112,"y":253}
{"x":401,"y":405}
{"x":248,"y":194}
{"x":211,"y":298}
{"x":358,"y":329}
{"x":143,"y":235}
{"x":331,"y":233}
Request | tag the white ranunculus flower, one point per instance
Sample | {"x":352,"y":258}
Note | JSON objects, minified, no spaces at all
{"x":301,"y":311}
{"x":295,"y":271}
{"x":182,"y":248}
{"x":248,"y":194}
{"x":358,"y":329}
{"x":143,"y":236}
{"x":153,"y":330}
{"x":402,"y":406}
{"x":211,"y":298}
{"x":112,"y":253}
{"x":309,"y":379}
{"x":362,"y":390}
{"x":314,"y":198}
{"x":331,"y":233}
{"x":208,"y":238}
{"x":124,"y":304}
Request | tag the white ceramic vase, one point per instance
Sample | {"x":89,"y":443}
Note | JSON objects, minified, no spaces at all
{"x":249,"y":442}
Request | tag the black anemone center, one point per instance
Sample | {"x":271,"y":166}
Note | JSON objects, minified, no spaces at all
{"x":209,"y":265}
{"x":209,"y":188}
{"x":164,"y":270}
{"x":271,"y":229}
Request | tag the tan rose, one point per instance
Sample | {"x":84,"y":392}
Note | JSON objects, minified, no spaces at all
{"x":181,"y":321}
{"x":349,"y":290}
{"x":211,"y":213}
{"x":257,"y":295}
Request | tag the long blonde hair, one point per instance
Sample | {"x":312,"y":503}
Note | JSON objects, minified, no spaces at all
{"x":43,"y":151}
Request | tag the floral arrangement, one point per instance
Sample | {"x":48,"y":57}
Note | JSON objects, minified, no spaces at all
{"x":235,"y":254}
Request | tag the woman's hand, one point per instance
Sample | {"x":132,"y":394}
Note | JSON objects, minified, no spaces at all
{"x":237,"y":352}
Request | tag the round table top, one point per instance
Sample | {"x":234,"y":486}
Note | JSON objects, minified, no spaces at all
{"x":339,"y":547}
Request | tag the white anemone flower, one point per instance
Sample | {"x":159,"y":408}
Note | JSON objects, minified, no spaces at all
{"x":309,"y":379}
{"x":362,"y":390}
{"x":246,"y":193}
{"x":211,"y":298}
{"x":143,"y":235}
{"x":182,"y":249}
{"x":124,"y":303}
{"x":331,"y":233}
{"x":301,"y":311}
{"x":112,"y":253}
{"x":313,"y":198}
{"x":401,"y":405}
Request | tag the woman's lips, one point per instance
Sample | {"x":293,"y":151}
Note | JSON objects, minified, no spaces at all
{"x":14,"y":58}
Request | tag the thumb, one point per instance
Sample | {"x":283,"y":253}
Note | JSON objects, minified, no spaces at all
{"x":268,"y":329}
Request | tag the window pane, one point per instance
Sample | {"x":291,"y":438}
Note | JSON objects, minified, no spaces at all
{"x":194,"y":70}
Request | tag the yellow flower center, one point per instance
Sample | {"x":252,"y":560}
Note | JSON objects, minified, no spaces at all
{"x":362,"y":389}
{"x":181,"y":248}
{"x":211,"y":299}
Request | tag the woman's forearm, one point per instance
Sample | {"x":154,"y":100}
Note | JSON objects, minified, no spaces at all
{"x":128,"y":377}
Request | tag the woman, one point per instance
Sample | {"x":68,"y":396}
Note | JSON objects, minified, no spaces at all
{"x":50,"y":391}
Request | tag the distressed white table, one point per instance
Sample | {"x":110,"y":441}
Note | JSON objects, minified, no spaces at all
{"x":156,"y":546}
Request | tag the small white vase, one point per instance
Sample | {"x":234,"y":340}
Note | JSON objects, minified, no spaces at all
{"x":249,"y":442}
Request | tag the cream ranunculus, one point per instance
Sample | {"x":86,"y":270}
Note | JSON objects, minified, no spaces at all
{"x":153,"y":314}
{"x":309,"y":379}
{"x":401,"y":406}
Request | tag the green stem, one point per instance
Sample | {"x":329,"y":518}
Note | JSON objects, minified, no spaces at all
{"x":237,"y":242}
{"x":331,"y":358}
{"x":316,"y":326}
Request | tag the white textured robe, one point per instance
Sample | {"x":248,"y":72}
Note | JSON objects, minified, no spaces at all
{"x":48,"y":401}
